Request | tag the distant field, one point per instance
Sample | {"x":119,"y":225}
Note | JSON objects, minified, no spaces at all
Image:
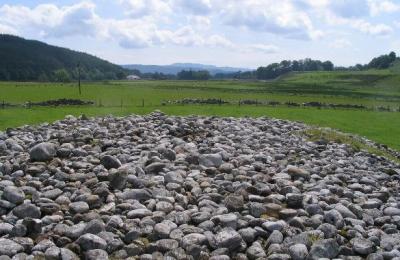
{"x":371,"y":89}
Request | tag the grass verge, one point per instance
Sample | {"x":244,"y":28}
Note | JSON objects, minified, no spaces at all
{"x":355,"y":142}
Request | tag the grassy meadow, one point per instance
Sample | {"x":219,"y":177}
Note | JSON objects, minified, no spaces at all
{"x":368,"y":88}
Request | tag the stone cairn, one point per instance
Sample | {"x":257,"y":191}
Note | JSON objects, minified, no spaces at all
{"x":164,"y":187}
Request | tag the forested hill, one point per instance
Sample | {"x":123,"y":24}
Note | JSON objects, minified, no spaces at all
{"x":23,"y":60}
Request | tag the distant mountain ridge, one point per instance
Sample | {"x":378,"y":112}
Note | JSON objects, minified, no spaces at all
{"x":177,"y":67}
{"x":24,"y":60}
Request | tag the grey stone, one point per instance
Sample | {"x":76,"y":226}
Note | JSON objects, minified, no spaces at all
{"x":139,"y":213}
{"x":210,"y":160}
{"x":27,"y":210}
{"x":228,"y":238}
{"x":294,"y":200}
{"x":276,"y":237}
{"x":94,"y":226}
{"x":329,"y":230}
{"x":173,"y":177}
{"x":67,"y":254}
{"x":255,"y":251}
{"x":325,"y":248}
{"x":164,"y":245}
{"x":79,"y":207}
{"x":9,"y":247}
{"x":391,"y":211}
{"x":110,"y":162}
{"x":52,"y":253}
{"x":96,"y":254}
{"x":43,"y":152}
{"x":234,"y":203}
{"x":90,"y":241}
{"x":154,"y":168}
{"x":137,"y":194}
{"x":298,"y":252}
{"x":13,"y":194}
{"x":193,"y":239}
{"x":335,"y":218}
{"x":118,"y":179}
{"x":362,"y":246}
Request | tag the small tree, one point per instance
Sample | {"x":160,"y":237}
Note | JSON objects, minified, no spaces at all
{"x":62,"y":75}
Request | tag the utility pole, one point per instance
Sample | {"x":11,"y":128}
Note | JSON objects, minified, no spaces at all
{"x":79,"y":77}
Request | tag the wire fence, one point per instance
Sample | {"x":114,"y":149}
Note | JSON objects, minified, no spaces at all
{"x":142,"y":102}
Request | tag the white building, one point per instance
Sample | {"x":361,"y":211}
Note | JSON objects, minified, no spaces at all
{"x":132,"y":77}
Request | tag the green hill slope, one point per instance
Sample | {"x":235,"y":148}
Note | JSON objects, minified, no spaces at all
{"x":25,"y":60}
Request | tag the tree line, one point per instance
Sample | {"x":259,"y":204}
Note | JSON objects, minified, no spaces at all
{"x":27,"y":60}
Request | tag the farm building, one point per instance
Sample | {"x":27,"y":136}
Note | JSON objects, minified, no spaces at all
{"x":132,"y":77}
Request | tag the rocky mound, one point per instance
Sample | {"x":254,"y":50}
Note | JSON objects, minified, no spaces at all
{"x":159,"y":187}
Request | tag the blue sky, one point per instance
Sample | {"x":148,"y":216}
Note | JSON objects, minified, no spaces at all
{"x":242,"y":33}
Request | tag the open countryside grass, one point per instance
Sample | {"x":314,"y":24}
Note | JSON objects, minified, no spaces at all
{"x":371,"y":89}
{"x":383,"y":127}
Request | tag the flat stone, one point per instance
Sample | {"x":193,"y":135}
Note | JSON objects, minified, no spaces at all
{"x":9,"y":247}
{"x":139,"y":213}
{"x":27,"y":210}
{"x":79,"y":207}
{"x":391,"y":211}
{"x":90,"y":241}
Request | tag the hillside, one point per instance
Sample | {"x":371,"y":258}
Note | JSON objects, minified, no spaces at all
{"x":23,"y":60}
{"x":177,"y":67}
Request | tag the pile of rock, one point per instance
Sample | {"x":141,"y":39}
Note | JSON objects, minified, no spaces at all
{"x":159,"y":187}
{"x":62,"y":102}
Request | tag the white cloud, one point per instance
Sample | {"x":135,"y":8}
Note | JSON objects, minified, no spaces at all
{"x":281,"y":18}
{"x":372,"y":29}
{"x":199,"y":22}
{"x":49,"y":20}
{"x":382,"y":6}
{"x":141,"y":8}
{"x":5,"y":29}
{"x":340,"y":43}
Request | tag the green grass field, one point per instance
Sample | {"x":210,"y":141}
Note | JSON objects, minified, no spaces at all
{"x":371,"y":89}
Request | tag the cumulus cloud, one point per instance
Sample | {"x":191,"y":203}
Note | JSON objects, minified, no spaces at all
{"x":281,"y":18}
{"x":383,"y":6}
{"x":141,"y":8}
{"x":199,"y":22}
{"x":5,"y":29}
{"x":50,"y":20}
{"x":372,"y":29}
{"x":149,"y":23}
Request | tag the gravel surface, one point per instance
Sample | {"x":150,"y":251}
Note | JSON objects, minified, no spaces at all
{"x":160,"y":187}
